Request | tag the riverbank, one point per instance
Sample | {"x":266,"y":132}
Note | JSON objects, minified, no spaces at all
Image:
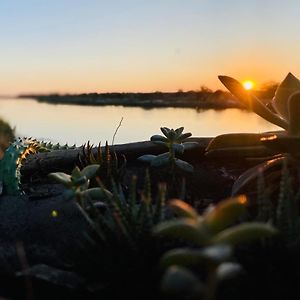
{"x":190,"y":99}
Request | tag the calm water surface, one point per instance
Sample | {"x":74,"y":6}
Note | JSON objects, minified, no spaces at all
{"x":78,"y":124}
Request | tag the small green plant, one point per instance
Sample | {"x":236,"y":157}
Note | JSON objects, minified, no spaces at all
{"x":110,"y":167}
{"x":211,"y":241}
{"x":176,"y":143}
{"x":78,"y":183}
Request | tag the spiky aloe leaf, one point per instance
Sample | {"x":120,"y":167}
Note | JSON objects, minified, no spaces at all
{"x":225,"y":213}
{"x":245,"y":232}
{"x":159,"y":207}
{"x":252,"y":102}
{"x":188,"y":257}
{"x":184,"y":229}
{"x":179,"y":281}
{"x":182,"y":209}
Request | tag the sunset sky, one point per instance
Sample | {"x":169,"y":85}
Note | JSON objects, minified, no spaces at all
{"x":141,"y":45}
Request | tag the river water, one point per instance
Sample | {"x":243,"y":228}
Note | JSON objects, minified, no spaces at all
{"x":78,"y":124}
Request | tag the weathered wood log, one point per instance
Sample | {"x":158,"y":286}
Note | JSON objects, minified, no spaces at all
{"x":65,"y":160}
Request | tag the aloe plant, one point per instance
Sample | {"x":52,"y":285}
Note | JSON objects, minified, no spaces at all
{"x":110,"y":167}
{"x":212,"y":240}
{"x":176,"y":143}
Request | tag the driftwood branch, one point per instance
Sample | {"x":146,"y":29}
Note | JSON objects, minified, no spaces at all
{"x":65,"y":160}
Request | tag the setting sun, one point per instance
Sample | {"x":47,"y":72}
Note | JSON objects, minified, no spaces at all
{"x":248,"y":84}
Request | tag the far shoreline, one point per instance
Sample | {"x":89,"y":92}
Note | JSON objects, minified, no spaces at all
{"x":192,"y":99}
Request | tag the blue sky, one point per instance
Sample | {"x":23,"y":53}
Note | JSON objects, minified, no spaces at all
{"x":130,"y":45}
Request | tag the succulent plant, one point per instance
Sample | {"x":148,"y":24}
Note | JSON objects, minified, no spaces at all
{"x":212,"y":243}
{"x":78,"y":182}
{"x":111,"y":168}
{"x":11,"y":163}
{"x":176,"y":143}
{"x":283,"y":110}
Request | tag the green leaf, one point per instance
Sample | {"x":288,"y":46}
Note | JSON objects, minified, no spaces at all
{"x":185,"y":229}
{"x":165,"y":131}
{"x":90,"y":171}
{"x":228,"y":270}
{"x":190,"y":145}
{"x":97,"y":194}
{"x":179,"y":131}
{"x":178,"y":148}
{"x":160,"y":160}
{"x":181,"y":282}
{"x":183,"y":137}
{"x":80,"y":181}
{"x":182,"y":209}
{"x":183,"y":165}
{"x":158,"y":138}
{"x":225,"y":213}
{"x":287,"y":87}
{"x":246,"y":232}
{"x":234,"y":140}
{"x":160,"y":143}
{"x":61,"y":177}
{"x":188,"y":257}
{"x":147,"y":158}
{"x":75,"y":173}
{"x":172,"y":135}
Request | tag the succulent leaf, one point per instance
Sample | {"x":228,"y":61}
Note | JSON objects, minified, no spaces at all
{"x":179,"y":281}
{"x":245,"y":232}
{"x":90,"y":171}
{"x":190,"y":145}
{"x":61,"y":177}
{"x":147,"y":158}
{"x":185,"y":229}
{"x":160,"y":160}
{"x":183,"y":165}
{"x":182,"y":209}
{"x":280,"y":102}
{"x":165,"y":131}
{"x":225,"y":213}
{"x":158,"y":138}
